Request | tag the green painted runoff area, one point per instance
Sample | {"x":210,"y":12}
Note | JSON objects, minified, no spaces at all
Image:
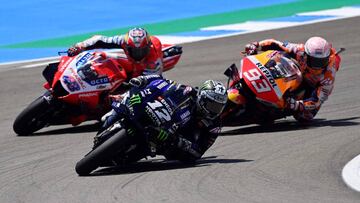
{"x":195,"y":23}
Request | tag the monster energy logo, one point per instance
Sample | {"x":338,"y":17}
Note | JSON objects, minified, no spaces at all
{"x":162,"y":135}
{"x":130,"y":131}
{"x":135,"y":99}
{"x":206,"y":85}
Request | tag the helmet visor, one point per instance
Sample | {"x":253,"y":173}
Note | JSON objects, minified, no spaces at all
{"x":138,"y":53}
{"x":317,"y":63}
{"x":213,"y":108}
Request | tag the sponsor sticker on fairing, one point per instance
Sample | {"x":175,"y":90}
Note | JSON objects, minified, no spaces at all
{"x":99,"y":81}
{"x":90,"y":94}
{"x":83,"y":59}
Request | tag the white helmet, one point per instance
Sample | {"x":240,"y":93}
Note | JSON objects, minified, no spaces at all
{"x":317,"y":50}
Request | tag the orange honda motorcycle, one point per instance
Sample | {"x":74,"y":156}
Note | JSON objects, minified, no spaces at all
{"x":257,"y":92}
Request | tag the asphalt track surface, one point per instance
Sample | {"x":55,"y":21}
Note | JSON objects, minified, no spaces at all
{"x":283,"y":163}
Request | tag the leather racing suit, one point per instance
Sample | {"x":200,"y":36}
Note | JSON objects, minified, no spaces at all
{"x":317,"y":85}
{"x":150,"y":64}
{"x":188,"y":132}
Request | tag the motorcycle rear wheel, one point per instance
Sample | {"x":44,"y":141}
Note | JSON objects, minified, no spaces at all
{"x":33,"y":117}
{"x":103,"y":152}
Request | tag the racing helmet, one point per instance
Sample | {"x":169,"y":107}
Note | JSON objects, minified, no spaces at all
{"x":137,"y":43}
{"x":211,"y":99}
{"x":317,"y":51}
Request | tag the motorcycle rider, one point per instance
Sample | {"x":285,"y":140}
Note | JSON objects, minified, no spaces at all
{"x":318,"y":63}
{"x":142,"y":50}
{"x":193,"y":109}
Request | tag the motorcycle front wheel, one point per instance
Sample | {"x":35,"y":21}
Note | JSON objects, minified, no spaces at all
{"x":33,"y":117}
{"x":105,"y":151}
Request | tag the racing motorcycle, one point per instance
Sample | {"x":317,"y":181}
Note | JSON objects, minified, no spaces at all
{"x":75,"y":94}
{"x":257,"y":92}
{"x":128,"y":139}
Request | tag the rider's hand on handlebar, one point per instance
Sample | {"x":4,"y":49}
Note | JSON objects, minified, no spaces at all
{"x":74,"y":50}
{"x":293,"y":104}
{"x":138,"y":81}
{"x":252,"y":48}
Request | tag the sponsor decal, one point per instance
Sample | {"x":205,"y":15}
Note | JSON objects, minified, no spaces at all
{"x":160,"y":110}
{"x":267,"y":73}
{"x":152,"y":115}
{"x":99,"y":81}
{"x":162,"y":85}
{"x":90,"y":94}
{"x":135,"y":99}
{"x":80,"y":81}
{"x":71,"y":83}
{"x":272,"y":54}
{"x":83,"y":59}
{"x":156,"y":82}
{"x":100,"y":86}
{"x":163,"y":135}
{"x":130,"y":131}
{"x":63,"y":66}
{"x":185,"y":115}
{"x":145,"y":92}
{"x":167,"y":106}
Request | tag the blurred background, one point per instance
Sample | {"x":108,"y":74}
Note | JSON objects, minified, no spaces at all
{"x":35,"y":29}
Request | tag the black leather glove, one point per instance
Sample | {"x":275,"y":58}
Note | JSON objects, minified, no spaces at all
{"x":74,"y":50}
{"x":187,"y":146}
{"x":173,"y":51}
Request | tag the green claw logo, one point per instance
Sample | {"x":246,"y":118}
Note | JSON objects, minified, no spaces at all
{"x":135,"y":99}
{"x":162,"y":135}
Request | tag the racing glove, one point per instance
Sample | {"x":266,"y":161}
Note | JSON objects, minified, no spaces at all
{"x":294,"y":105}
{"x":138,"y":81}
{"x":188,"y":146}
{"x":74,"y":50}
{"x":252,"y":48}
{"x":143,"y":80}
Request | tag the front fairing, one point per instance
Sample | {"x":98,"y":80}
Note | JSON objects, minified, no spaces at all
{"x":150,"y":105}
{"x":71,"y":88}
{"x":269,"y":88}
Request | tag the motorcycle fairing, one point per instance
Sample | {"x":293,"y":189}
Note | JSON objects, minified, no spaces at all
{"x":268,"y":89}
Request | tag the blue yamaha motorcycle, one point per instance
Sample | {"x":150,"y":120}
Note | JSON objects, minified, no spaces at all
{"x":129,"y":138}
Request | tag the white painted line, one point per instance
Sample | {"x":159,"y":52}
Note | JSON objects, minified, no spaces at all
{"x":351,"y":173}
{"x":342,"y":12}
{"x":30,"y":60}
{"x":252,"y":26}
{"x":38,"y":64}
{"x":165,"y":39}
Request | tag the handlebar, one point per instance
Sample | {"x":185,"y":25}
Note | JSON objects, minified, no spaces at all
{"x":60,"y":53}
{"x":340,"y":50}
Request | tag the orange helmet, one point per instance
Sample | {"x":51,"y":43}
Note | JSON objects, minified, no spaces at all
{"x":137,"y":43}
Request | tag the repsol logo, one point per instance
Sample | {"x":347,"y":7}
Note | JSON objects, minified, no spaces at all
{"x":267,"y":74}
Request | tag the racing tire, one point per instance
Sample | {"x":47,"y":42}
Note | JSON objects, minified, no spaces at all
{"x":33,"y":117}
{"x":108,"y":149}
